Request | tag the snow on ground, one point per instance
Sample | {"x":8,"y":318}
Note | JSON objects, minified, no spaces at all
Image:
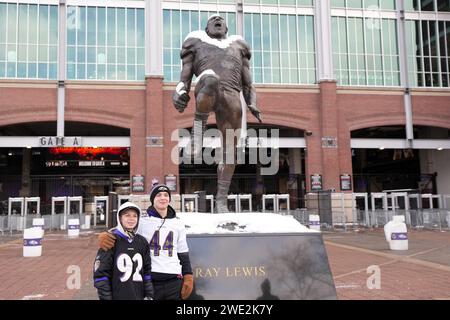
{"x":248,"y":222}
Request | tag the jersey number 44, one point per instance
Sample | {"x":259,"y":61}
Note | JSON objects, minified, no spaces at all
{"x":155,"y":243}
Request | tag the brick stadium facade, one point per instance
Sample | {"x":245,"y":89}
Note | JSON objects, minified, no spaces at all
{"x":146,"y":109}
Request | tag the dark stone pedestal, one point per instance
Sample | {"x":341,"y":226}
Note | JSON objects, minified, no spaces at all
{"x":260,"y":266}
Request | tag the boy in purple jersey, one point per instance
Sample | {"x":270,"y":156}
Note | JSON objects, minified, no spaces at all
{"x":124,"y":272}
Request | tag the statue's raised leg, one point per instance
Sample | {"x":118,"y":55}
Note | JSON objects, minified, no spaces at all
{"x":206,"y":96}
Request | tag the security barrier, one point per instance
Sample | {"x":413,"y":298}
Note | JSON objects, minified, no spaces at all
{"x":336,"y":210}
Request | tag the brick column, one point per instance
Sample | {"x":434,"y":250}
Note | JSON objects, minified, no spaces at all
{"x":170,"y":166}
{"x":345,"y":151}
{"x":154,"y":123}
{"x":328,"y":110}
{"x":138,"y":146}
{"x":313,"y":156}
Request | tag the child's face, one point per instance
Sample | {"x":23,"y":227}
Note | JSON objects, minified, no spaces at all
{"x":129,"y":219}
{"x":162,"y":200}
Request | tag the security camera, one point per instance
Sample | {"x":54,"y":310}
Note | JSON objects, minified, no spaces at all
{"x":308,"y":133}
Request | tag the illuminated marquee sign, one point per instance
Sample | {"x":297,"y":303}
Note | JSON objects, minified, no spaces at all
{"x":86,"y":157}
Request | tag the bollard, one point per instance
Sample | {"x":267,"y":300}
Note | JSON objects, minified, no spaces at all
{"x":74,"y":228}
{"x":396,"y":233}
{"x":314,"y":222}
{"x":32,"y":242}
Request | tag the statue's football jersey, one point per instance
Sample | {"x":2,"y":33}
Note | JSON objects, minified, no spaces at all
{"x":167,"y":238}
{"x":224,"y":57}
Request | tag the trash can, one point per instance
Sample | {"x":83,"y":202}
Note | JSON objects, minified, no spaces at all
{"x":396,"y":233}
{"x":74,"y":228}
{"x":32,"y":242}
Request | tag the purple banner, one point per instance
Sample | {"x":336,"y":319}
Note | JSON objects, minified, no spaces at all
{"x":74,"y":226}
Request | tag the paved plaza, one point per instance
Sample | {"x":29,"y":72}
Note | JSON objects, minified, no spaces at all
{"x":422,"y":272}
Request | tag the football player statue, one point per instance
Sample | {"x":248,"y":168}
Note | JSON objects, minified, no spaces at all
{"x":222,"y":67}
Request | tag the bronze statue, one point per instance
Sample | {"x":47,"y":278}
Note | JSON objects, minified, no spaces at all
{"x":222,"y":67}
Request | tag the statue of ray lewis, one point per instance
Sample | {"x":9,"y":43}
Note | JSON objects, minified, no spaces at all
{"x":222,"y":67}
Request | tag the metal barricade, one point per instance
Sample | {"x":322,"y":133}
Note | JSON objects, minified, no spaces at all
{"x":301,"y":215}
{"x":432,"y":219}
{"x":445,"y":219}
{"x":446,"y":201}
{"x":3,"y":224}
{"x":338,"y":216}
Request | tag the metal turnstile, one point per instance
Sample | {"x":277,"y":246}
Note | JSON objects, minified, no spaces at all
{"x":430,"y":198}
{"x":32,"y":210}
{"x":384,"y":198}
{"x":401,"y":206}
{"x":186,"y":202}
{"x":210,"y":198}
{"x":276,"y":198}
{"x":238,"y":199}
{"x":16,"y":213}
{"x":283,"y":197}
{"x":121,"y":199}
{"x":356,"y":217}
{"x":101,"y":210}
{"x":267,"y":197}
{"x":59,"y":209}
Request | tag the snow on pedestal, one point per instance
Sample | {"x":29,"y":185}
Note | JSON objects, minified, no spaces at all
{"x":248,"y":222}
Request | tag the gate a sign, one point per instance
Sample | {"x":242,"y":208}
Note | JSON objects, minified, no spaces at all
{"x":51,"y":142}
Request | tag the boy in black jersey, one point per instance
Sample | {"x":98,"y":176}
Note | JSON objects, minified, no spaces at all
{"x":124,"y":272}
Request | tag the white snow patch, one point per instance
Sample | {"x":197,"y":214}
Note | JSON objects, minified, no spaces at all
{"x":222,"y":44}
{"x":209,"y":71}
{"x":248,"y":222}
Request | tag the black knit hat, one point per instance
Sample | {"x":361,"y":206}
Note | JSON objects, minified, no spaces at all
{"x":157,"y":189}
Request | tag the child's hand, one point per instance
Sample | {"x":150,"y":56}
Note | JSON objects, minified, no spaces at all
{"x":188,"y":285}
{"x":106,"y":240}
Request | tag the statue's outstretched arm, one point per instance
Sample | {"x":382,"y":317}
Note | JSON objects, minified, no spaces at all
{"x":180,"y":97}
{"x":248,"y":89}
